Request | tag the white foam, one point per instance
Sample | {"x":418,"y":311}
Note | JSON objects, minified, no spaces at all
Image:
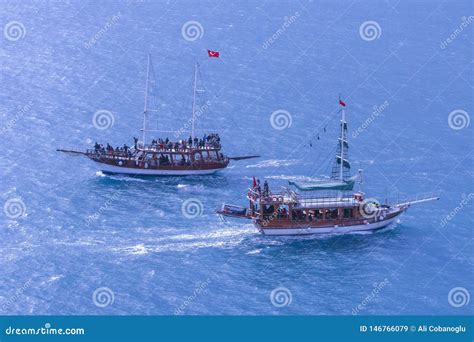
{"x":274,"y":163}
{"x":295,"y":178}
{"x":255,"y":251}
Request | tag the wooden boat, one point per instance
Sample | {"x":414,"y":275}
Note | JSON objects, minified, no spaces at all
{"x":331,"y":206}
{"x":163,"y":157}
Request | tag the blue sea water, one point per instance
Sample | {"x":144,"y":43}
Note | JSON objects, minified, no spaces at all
{"x":81,"y":242}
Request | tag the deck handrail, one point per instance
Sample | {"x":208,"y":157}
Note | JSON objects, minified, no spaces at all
{"x":406,"y":199}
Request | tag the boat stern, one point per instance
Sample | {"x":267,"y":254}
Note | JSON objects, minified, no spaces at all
{"x":229,"y":210}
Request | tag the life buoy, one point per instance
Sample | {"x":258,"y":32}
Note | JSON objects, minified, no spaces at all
{"x":120,"y":163}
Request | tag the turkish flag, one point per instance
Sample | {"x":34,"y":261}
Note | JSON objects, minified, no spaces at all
{"x":213,"y":53}
{"x":342,"y":103}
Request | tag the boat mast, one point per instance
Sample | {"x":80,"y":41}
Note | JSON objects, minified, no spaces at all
{"x":194,"y":101}
{"x":343,"y":125}
{"x":145,"y":110}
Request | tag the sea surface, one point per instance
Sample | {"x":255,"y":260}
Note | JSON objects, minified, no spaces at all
{"x":76,"y":241}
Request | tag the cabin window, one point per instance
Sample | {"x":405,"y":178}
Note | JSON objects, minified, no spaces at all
{"x":318,"y":214}
{"x":298,"y":215}
{"x":347,"y":212}
{"x":154,"y":160}
{"x":269,"y":209}
{"x":282,"y":211}
{"x":164,"y":159}
{"x":332,"y":214}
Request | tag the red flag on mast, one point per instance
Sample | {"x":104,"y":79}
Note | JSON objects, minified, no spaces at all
{"x":211,"y":53}
{"x":254,"y":182}
{"x":342,"y":103}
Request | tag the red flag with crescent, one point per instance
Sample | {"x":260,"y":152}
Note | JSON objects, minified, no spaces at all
{"x":214,"y":54}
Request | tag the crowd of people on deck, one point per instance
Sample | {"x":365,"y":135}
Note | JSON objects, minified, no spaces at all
{"x":211,"y":140}
{"x":208,"y":140}
{"x":123,"y":151}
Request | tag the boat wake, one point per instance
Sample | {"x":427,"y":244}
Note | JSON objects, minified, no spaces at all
{"x":222,"y":238}
{"x":122,"y":178}
{"x":295,"y":178}
{"x":274,"y":163}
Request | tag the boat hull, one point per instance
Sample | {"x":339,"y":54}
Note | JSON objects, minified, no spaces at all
{"x":113,"y":169}
{"x":328,"y":229}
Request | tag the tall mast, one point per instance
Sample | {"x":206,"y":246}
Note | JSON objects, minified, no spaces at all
{"x":343,"y":125}
{"x":145,"y":110}
{"x":341,"y":165}
{"x":194,"y":100}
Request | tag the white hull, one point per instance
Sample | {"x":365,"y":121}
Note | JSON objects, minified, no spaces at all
{"x":327,"y":230}
{"x":106,"y":168}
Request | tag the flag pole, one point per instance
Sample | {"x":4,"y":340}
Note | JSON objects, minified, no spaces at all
{"x":343,"y":122}
{"x":146,"y":100}
{"x":194,"y":101}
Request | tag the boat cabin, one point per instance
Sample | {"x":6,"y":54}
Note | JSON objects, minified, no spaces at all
{"x":154,"y":157}
{"x":288,"y":209}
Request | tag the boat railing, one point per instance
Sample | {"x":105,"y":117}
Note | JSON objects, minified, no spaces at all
{"x":402,"y":200}
{"x":326,"y":201}
{"x":140,"y":155}
{"x":181,"y":149}
{"x":286,"y":196}
{"x":111,"y":154}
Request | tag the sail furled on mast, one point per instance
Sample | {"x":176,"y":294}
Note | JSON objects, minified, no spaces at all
{"x":341,"y":179}
{"x":342,"y":166}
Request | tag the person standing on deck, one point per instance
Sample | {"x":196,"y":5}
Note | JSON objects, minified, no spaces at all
{"x":266,"y":189}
